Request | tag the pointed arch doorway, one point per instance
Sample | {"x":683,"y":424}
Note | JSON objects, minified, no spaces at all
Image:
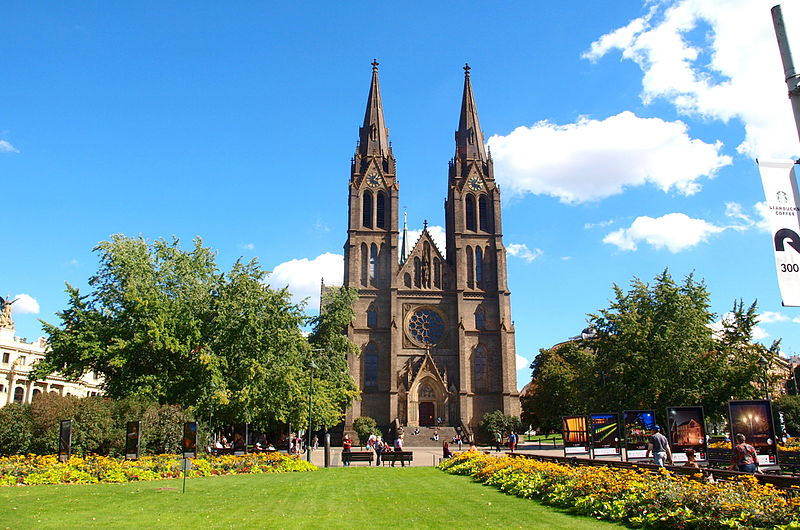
{"x":427,"y":411}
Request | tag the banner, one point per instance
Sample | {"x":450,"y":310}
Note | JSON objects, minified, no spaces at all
{"x":576,"y":435}
{"x":189,"y":441}
{"x":132,"y":436}
{"x":639,"y":427}
{"x":686,"y":429}
{"x":780,"y":190}
{"x":754,"y":419}
{"x":604,"y":430}
{"x":240,"y":439}
{"x":65,"y":441}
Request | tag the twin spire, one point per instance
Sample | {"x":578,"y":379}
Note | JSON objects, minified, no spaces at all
{"x":374,"y":136}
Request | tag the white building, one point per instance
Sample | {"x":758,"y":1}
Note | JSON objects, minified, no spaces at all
{"x":17,"y":357}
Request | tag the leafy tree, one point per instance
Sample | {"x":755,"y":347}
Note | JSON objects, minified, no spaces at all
{"x":790,"y":406}
{"x":16,"y":429}
{"x":364,"y":427}
{"x":496,"y":421}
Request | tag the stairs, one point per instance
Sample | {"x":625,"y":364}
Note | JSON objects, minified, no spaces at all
{"x":425,"y":436}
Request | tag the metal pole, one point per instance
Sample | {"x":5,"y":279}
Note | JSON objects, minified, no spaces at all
{"x":792,"y":78}
{"x":311,"y":367}
{"x":327,"y":449}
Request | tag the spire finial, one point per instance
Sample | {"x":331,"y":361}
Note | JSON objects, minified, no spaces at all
{"x":375,"y":64}
{"x":425,"y":224}
{"x":467,"y":68}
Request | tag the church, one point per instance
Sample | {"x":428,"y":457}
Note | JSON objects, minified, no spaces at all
{"x":434,"y":325}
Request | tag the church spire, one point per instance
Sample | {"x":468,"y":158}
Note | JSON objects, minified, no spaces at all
{"x":373,"y":135}
{"x":404,"y":247}
{"x":469,"y":137}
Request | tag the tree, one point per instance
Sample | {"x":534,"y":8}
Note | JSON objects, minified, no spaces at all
{"x":364,"y":427}
{"x":790,"y":406}
{"x":16,"y":429}
{"x":496,"y":421}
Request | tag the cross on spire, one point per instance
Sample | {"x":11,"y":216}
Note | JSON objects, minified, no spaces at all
{"x":467,"y":68}
{"x":375,"y":64}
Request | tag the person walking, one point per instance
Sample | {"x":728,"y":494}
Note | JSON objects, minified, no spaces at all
{"x":744,"y":457}
{"x":659,"y":444}
{"x":379,"y":448}
{"x":497,"y":440}
{"x":512,"y":441}
{"x":398,"y":448}
{"x":347,"y":444}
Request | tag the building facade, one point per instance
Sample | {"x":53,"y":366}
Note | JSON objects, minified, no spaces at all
{"x":434,"y":325}
{"x":17,"y":357}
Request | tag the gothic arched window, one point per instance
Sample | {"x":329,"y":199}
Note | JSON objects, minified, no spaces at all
{"x":371,"y":365}
{"x":364,"y":265}
{"x":479,"y":266}
{"x":470,"y":209}
{"x":366,"y":210}
{"x":483,"y":213}
{"x":373,"y":262}
{"x":19,"y":394}
{"x":480,"y":318}
{"x":437,"y":273}
{"x":380,"y":210}
{"x":372,"y":317}
{"x":479,"y":367}
{"x":470,"y":267}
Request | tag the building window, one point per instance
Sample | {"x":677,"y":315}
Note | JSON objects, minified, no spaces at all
{"x":19,"y":394}
{"x":470,"y":268}
{"x":437,"y":273}
{"x":373,"y":262}
{"x":5,"y":357}
{"x":364,"y":264}
{"x":426,"y":327}
{"x":2,"y":388}
{"x":479,"y":368}
{"x":21,"y":359}
{"x":483,"y":213}
{"x":381,"y":210}
{"x":372,"y":317}
{"x":366,"y":210}
{"x":371,"y":365}
{"x":479,"y":266}
{"x":470,"y":207}
{"x":480,"y":318}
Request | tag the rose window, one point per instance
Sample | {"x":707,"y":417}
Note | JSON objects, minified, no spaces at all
{"x":426,"y":327}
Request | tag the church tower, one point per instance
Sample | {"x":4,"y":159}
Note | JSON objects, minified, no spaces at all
{"x":434,"y":327}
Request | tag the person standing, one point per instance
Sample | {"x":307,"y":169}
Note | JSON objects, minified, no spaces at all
{"x":659,"y":444}
{"x":459,"y":441}
{"x":744,"y":457}
{"x":379,"y":448}
{"x":398,"y":448}
{"x":347,"y":444}
{"x":512,"y":441}
{"x":497,"y":440}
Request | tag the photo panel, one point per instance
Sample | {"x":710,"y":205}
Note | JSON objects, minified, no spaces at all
{"x":189,"y":442}
{"x":686,"y":429}
{"x":639,"y":426}
{"x":65,"y":441}
{"x":240,"y":438}
{"x":576,"y":435}
{"x":132,"y":437}
{"x":753,"y":418}
{"x":605,"y":434}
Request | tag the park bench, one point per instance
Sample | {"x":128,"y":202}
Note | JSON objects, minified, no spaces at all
{"x":358,"y":456}
{"x":397,"y":456}
{"x":718,"y":457}
{"x":789,"y":460}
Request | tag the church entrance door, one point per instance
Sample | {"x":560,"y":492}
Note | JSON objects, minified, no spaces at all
{"x":426,"y":414}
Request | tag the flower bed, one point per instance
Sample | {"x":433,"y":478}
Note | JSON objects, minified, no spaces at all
{"x":33,"y":469}
{"x":635,"y":497}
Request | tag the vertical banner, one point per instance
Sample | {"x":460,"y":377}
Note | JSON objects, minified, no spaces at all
{"x":753,"y":418}
{"x":576,"y":435}
{"x":240,"y":439}
{"x":65,"y":441}
{"x":686,"y":429}
{"x":780,"y":190}
{"x":639,"y":426}
{"x":132,"y":437}
{"x":189,"y":442}
{"x":604,"y":428}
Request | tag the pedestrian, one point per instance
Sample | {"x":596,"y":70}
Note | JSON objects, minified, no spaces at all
{"x":744,"y":457}
{"x":379,"y":448}
{"x":315,"y":441}
{"x":458,"y":441}
{"x":398,"y":448}
{"x":446,"y":453}
{"x":347,"y":444}
{"x":497,"y":440}
{"x":659,"y":445}
{"x":512,"y":441}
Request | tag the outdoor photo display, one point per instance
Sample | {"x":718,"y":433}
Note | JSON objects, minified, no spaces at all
{"x":65,"y":441}
{"x":686,"y":429}
{"x":604,"y":430}
{"x":576,"y":436}
{"x":639,"y":427}
{"x":189,"y":442}
{"x":132,"y":436}
{"x":240,"y":439}
{"x":754,"y":419}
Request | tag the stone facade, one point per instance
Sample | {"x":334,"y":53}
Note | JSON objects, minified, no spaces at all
{"x":434,"y":325}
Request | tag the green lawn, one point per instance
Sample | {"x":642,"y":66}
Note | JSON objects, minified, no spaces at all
{"x":358,"y":497}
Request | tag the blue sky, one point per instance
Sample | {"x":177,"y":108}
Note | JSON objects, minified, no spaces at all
{"x":623,"y":133}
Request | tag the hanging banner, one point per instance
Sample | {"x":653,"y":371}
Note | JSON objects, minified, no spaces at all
{"x":576,"y":435}
{"x":240,"y":438}
{"x":780,"y":190}
{"x":686,"y":429}
{"x":604,"y":430}
{"x":65,"y":441}
{"x":189,"y":441}
{"x":132,"y":430}
{"x":639,"y":427}
{"x":753,"y":418}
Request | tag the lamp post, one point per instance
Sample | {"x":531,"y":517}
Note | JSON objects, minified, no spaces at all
{"x":764,"y":364}
{"x":311,"y":368}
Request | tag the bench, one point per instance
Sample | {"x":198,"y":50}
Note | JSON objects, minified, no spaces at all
{"x":357,"y":456}
{"x":397,"y":456}
{"x":719,"y":457}
{"x":789,"y":460}
{"x":216,"y":451}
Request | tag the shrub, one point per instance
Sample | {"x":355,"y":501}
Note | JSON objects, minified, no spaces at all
{"x":364,"y":426}
{"x":16,"y":429}
{"x":496,"y":421}
{"x":162,"y":429}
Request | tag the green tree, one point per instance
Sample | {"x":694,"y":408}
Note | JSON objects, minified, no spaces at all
{"x":497,"y":422}
{"x":790,"y":406}
{"x":16,"y":429}
{"x":364,"y":427}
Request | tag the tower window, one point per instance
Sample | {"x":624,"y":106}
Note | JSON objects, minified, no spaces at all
{"x":470,"y":208}
{"x":437,"y":273}
{"x":470,"y":268}
{"x":373,"y":262}
{"x":479,"y":266}
{"x":371,"y":365}
{"x":366,"y":210}
{"x":483,"y":213}
{"x":480,"y":318}
{"x":364,"y":264}
{"x":381,"y":210}
{"x":372,"y":317}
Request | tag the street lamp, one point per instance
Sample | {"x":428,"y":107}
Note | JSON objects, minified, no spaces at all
{"x":764,"y":364}
{"x":311,"y":368}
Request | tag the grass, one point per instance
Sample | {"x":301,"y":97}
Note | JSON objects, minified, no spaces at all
{"x":357,"y":497}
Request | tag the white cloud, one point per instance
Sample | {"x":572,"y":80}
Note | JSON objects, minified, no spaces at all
{"x":436,"y":232}
{"x":25,"y":304}
{"x":521,"y":250}
{"x":6,"y":147}
{"x":767,"y":317}
{"x":303,"y":276}
{"x":675,"y":231}
{"x":593,"y":159}
{"x":716,"y":60}
{"x":759,"y":333}
{"x":601,"y":224}
{"x":522,"y":362}
{"x":247,"y":246}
